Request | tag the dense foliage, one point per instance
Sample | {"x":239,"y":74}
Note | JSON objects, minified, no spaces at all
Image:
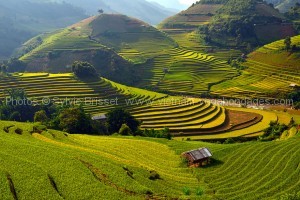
{"x":236,"y":21}
{"x":84,"y":69}
{"x":117,"y":117}
{"x":295,"y":96}
{"x":164,"y":133}
{"x":17,"y":107}
{"x":67,"y":117}
{"x":274,"y":131}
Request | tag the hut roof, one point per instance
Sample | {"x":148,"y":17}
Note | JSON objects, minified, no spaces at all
{"x":199,"y":154}
{"x":99,"y":117}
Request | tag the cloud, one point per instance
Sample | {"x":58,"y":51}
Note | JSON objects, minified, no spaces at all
{"x":187,"y":2}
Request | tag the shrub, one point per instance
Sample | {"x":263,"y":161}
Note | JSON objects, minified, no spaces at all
{"x":229,"y":141}
{"x":41,"y":116}
{"x":6,"y":128}
{"x":84,"y":69}
{"x":164,"y":133}
{"x":125,"y":130}
{"x":15,"y":116}
{"x":273,"y":132}
{"x":19,"y":131}
{"x":199,"y":191}
{"x":116,"y":118}
{"x":186,"y":191}
{"x":39,"y":128}
{"x":154,"y":175}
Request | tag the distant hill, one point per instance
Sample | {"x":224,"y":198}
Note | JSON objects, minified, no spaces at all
{"x":232,"y":22}
{"x":108,"y":41}
{"x":283,"y":5}
{"x":141,"y":9}
{"x":196,"y":15}
{"x":250,"y":21}
{"x":22,"y":19}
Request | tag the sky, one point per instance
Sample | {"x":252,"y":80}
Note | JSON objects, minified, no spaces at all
{"x":178,"y":4}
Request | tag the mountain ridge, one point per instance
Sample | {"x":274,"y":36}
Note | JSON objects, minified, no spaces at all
{"x":141,"y":9}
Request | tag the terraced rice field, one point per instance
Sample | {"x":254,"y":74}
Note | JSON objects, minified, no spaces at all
{"x":270,"y":70}
{"x":44,"y":167}
{"x":258,"y":171}
{"x":188,"y":72}
{"x":60,"y":87}
{"x":184,"y":116}
{"x":239,"y":122}
{"x":72,"y":38}
{"x":55,"y":165}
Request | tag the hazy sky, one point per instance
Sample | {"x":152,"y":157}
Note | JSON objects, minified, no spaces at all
{"x":179,"y":4}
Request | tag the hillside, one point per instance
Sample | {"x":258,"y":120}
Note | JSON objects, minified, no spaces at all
{"x":112,"y":43}
{"x":269,"y":72}
{"x":248,"y":21}
{"x":149,"y":58}
{"x":186,"y":116}
{"x":196,"y":15}
{"x":56,"y":165}
{"x":228,"y":24}
{"x":20,"y":20}
{"x":85,"y":41}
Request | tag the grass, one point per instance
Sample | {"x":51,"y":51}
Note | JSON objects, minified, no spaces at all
{"x":82,"y":166}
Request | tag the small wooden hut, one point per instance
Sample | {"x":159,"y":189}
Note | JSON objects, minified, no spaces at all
{"x":101,"y":117}
{"x":198,"y":157}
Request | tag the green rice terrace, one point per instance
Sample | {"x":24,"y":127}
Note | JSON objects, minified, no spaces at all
{"x":159,"y":62}
{"x":57,"y":165}
{"x":185,"y":116}
{"x":174,"y":59}
{"x":269,"y":70}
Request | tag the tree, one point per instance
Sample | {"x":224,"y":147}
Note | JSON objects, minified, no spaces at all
{"x":75,"y":120}
{"x":100,"y":11}
{"x":125,"y":130}
{"x":287,"y":43}
{"x":41,"y":116}
{"x":84,"y":69}
{"x":167,"y":133}
{"x":116,"y":118}
{"x":17,"y":106}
